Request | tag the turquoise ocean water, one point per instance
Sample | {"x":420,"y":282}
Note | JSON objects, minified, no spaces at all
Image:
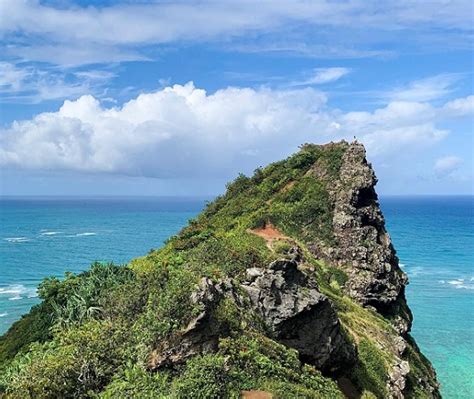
{"x":434,"y":237}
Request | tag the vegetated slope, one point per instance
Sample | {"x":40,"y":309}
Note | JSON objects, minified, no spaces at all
{"x":287,"y":284}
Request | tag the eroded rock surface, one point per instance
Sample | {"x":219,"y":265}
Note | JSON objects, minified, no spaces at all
{"x":202,"y":333}
{"x":287,"y":301}
{"x":362,"y":247}
{"x":298,"y":314}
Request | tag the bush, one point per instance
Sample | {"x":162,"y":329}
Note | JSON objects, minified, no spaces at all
{"x":135,"y":382}
{"x":205,"y":377}
{"x":371,"y":373}
{"x":80,"y":297}
{"x":75,"y":363}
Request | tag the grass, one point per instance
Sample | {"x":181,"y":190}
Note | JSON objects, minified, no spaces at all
{"x":93,"y":334}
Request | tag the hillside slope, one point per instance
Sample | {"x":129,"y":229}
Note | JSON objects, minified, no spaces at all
{"x":287,"y":284}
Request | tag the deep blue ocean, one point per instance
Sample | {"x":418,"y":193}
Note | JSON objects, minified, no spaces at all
{"x":434,"y":237}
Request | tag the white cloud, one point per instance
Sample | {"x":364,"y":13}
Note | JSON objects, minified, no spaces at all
{"x":460,"y":106}
{"x":11,"y":77}
{"x":27,"y":84}
{"x":447,"y":165}
{"x":91,"y":34}
{"x":427,"y":89}
{"x":182,"y":131}
{"x":323,"y":75}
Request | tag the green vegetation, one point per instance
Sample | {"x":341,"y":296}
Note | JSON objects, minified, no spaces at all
{"x":94,"y":333}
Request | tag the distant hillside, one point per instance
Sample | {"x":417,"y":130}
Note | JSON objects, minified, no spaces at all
{"x":287,"y":286}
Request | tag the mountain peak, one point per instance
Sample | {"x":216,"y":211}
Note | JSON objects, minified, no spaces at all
{"x":287,"y":284}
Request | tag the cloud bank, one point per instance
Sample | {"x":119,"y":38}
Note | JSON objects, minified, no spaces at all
{"x":183,"y":131}
{"x":76,"y":35}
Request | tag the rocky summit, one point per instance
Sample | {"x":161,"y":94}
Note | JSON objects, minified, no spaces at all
{"x":286,"y":286}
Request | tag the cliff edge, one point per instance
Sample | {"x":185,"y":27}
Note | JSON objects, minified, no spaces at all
{"x":286,"y":286}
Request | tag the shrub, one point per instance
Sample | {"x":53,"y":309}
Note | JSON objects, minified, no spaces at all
{"x":205,"y":377}
{"x":371,"y":372}
{"x":135,"y":382}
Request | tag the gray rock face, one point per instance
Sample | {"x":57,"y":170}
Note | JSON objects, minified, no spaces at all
{"x":298,"y":315}
{"x":288,"y":302}
{"x":202,"y":333}
{"x":397,"y":379}
{"x":363,"y":247}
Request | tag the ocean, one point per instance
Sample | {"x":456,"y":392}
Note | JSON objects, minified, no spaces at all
{"x":434,"y":238}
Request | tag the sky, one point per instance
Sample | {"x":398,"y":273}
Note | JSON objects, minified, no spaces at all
{"x":177,"y":98}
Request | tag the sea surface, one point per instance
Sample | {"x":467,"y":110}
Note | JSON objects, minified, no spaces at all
{"x":434,"y":238}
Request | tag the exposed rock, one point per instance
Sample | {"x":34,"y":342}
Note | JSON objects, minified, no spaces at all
{"x":298,"y":314}
{"x":288,"y":302}
{"x":400,"y":345}
{"x":202,"y":333}
{"x":362,"y":246}
{"x":397,"y":379}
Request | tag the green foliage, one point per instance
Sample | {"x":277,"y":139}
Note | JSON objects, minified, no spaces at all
{"x":256,"y":362}
{"x":228,"y":255}
{"x":74,"y":364}
{"x":32,"y":327}
{"x":303,"y":211}
{"x":93,"y":333}
{"x":79,"y":297}
{"x":284,"y":193}
{"x":168,"y":305}
{"x":205,"y":377}
{"x":420,"y":370}
{"x":282,"y":247}
{"x":371,"y":373}
{"x":135,"y":382}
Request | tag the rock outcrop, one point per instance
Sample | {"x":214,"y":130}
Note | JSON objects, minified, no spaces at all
{"x":298,"y":315}
{"x":202,"y":333}
{"x":287,"y":285}
{"x":362,"y":246}
{"x":286,"y":300}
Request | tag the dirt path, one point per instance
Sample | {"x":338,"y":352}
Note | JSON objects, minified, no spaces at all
{"x":270,"y":234}
{"x":256,"y":395}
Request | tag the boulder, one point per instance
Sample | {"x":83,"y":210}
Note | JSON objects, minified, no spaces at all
{"x":298,"y":315}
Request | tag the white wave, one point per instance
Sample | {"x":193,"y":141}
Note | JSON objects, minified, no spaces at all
{"x":3,"y":314}
{"x":402,"y":265}
{"x":19,"y":291}
{"x":462,"y":283}
{"x":50,"y":233}
{"x":85,"y":234}
{"x":17,"y":239}
{"x":416,"y":271}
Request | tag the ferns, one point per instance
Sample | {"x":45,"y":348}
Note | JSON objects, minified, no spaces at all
{"x":80,"y":298}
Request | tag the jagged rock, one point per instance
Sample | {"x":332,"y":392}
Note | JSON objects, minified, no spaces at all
{"x":397,"y":379}
{"x":400,"y":345}
{"x":202,"y":333}
{"x":288,"y":302}
{"x":362,"y":246}
{"x":298,"y":314}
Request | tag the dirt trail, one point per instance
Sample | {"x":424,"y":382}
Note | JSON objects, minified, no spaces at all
{"x":269,"y":233}
{"x":256,"y":395}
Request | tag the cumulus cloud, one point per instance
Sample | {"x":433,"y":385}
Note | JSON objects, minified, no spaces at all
{"x":460,"y":106}
{"x":183,"y":131}
{"x":445,"y":166}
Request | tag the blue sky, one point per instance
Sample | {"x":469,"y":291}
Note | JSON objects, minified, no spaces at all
{"x":176,"y":98}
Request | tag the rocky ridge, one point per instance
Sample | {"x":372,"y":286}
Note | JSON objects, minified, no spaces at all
{"x":293,"y":265}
